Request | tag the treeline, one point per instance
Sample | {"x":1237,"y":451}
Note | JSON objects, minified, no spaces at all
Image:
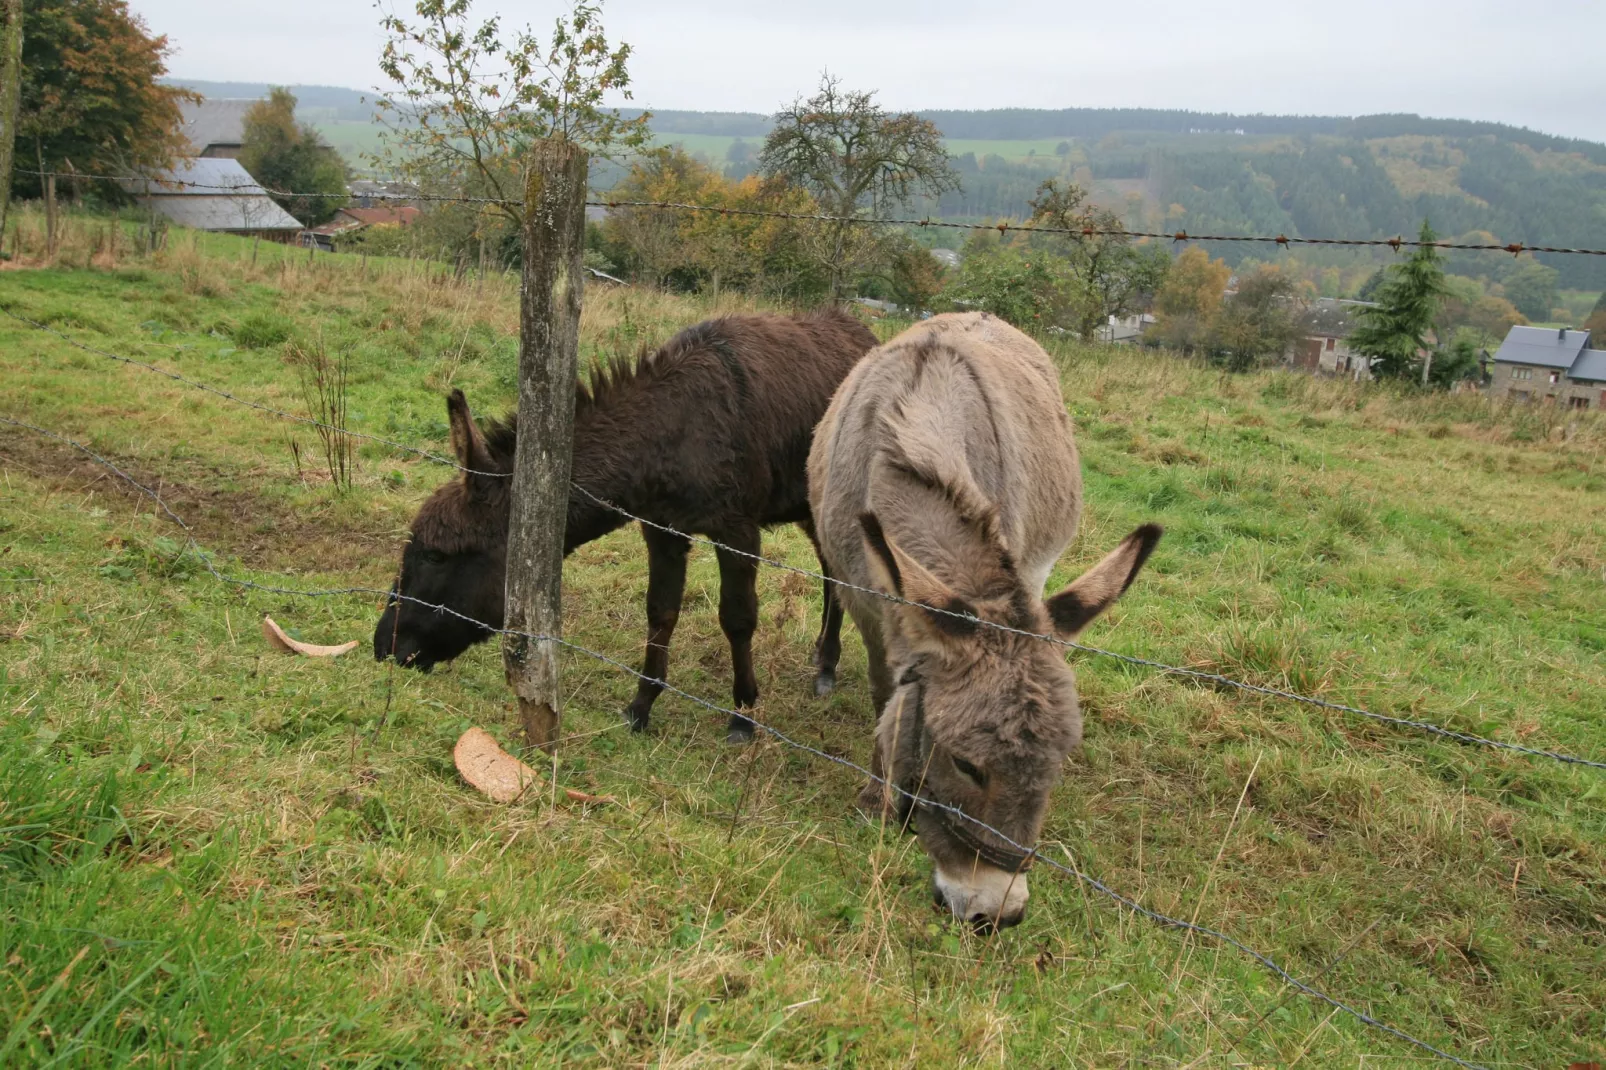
{"x":1317,"y":188}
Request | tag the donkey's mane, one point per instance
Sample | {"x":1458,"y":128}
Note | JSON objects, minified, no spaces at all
{"x":609,"y":381}
{"x":612,"y":378}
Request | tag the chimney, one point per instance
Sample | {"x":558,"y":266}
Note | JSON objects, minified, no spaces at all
{"x":1561,"y":335}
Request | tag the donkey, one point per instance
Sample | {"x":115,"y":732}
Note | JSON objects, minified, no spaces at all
{"x":708,"y":435}
{"x":945,"y":474}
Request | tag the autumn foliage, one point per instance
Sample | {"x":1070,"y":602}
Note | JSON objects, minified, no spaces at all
{"x":91,"y":101}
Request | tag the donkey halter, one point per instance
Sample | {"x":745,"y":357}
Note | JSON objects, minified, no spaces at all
{"x":956,"y":825}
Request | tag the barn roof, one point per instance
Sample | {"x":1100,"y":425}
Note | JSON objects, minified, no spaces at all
{"x":211,"y":194}
{"x":214,"y":121}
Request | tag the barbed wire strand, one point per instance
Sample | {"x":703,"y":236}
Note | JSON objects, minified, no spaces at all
{"x":1396,"y":243}
{"x":1164,"y":920}
{"x":1130,"y":659}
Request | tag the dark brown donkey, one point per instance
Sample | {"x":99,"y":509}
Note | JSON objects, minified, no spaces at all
{"x":708,"y":435}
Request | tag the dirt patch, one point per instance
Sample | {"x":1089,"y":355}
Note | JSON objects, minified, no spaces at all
{"x":235,"y":523}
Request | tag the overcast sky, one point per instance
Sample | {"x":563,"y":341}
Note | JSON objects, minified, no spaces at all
{"x":1534,"y":64}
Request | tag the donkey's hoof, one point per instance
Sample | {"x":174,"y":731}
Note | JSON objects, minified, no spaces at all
{"x":873,"y":801}
{"x":824,"y":682}
{"x":637,"y":719}
{"x":740,"y":730}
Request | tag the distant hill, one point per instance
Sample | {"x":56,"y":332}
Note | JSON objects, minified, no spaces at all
{"x":316,"y":103}
{"x":1368,"y":176}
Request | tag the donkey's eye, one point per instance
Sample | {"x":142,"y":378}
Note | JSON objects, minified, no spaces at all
{"x":970,"y":771}
{"x":435,"y":557}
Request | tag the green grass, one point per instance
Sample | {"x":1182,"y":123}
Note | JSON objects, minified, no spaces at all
{"x":211,"y":853}
{"x":356,"y":140}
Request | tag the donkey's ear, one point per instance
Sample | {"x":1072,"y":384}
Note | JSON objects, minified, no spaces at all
{"x":467,"y":442}
{"x":1097,"y":589}
{"x":896,"y":573}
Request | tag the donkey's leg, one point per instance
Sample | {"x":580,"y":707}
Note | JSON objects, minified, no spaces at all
{"x":828,"y":645}
{"x":666,"y":581}
{"x":872,"y":797}
{"x":738,"y":616}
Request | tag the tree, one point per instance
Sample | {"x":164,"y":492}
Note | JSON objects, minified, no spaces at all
{"x":1394,"y":331}
{"x":1457,"y":361}
{"x":740,"y":159}
{"x":1490,"y":317}
{"x":858,"y":161}
{"x":1596,"y":324}
{"x":915,"y":276}
{"x":1257,"y":320}
{"x":1532,"y":288}
{"x":454,"y":125}
{"x":652,"y":240}
{"x":713,"y":250}
{"x":1031,"y":289}
{"x":1190,"y":300}
{"x":90,"y":99}
{"x":10,"y":91}
{"x":285,"y":155}
{"x":1113,"y":276}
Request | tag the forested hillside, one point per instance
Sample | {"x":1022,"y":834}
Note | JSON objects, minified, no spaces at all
{"x":1306,"y":176}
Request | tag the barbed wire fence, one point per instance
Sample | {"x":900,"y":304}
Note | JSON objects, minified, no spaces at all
{"x":207,"y":559}
{"x":1030,"y":852}
{"x":1184,"y":672}
{"x":1005,"y":226}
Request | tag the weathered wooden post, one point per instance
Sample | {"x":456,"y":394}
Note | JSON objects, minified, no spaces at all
{"x":10,"y":96}
{"x":549,"y":340}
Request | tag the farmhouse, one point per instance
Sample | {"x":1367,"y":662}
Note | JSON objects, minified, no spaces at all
{"x":1322,"y":346}
{"x":1555,"y":367}
{"x":215,"y":127}
{"x":351,"y":219}
{"x":214,"y":194}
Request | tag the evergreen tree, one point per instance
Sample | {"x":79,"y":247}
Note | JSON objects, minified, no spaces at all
{"x":1408,"y":297}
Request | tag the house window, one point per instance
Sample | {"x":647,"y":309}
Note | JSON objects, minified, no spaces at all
{"x":1553,"y":377}
{"x":1330,"y":343}
{"x":1578,"y":403}
{"x":1522,"y":373}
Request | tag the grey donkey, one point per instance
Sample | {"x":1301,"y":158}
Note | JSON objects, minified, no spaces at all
{"x":945,"y":473}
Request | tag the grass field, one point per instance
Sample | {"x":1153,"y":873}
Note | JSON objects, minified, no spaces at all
{"x":355,"y":140}
{"x":213,"y":854}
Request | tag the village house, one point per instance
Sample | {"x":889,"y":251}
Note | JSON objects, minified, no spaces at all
{"x":1322,"y":347}
{"x":352,"y":218}
{"x":1551,"y":366}
{"x":1126,"y":329}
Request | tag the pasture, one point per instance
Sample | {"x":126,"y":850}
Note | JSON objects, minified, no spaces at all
{"x":211,"y":853}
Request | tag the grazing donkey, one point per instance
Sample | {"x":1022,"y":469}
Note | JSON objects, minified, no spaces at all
{"x":944,"y":473}
{"x":708,"y":435}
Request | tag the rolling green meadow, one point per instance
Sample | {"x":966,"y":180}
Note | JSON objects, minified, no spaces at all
{"x":214,"y":854}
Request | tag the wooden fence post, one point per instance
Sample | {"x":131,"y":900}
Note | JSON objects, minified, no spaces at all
{"x":10,"y":96}
{"x":549,"y":341}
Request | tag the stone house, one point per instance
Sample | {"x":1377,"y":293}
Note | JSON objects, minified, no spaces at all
{"x":1550,"y":366}
{"x":1322,"y":347}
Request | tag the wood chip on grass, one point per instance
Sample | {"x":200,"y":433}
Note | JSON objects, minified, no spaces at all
{"x":498,"y":775}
